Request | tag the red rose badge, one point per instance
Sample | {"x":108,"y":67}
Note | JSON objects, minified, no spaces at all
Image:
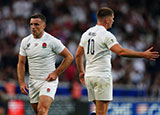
{"x":48,"y":89}
{"x":44,"y":45}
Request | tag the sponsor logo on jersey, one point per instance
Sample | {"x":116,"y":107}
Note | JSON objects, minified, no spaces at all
{"x":27,"y":48}
{"x":112,"y":40}
{"x":28,"y":45}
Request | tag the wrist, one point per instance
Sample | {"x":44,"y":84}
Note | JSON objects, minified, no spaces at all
{"x":21,"y":82}
{"x":56,"y":73}
{"x":143,"y":55}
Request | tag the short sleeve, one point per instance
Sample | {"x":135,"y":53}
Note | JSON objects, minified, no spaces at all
{"x":110,"y":40}
{"x":22,"y":48}
{"x":58,"y":47}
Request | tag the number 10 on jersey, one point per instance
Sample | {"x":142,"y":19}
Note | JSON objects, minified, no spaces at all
{"x":90,"y":48}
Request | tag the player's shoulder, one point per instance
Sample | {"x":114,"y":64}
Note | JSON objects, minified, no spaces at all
{"x":27,"y":38}
{"x":50,"y":37}
{"x":109,"y":33}
{"x":93,"y":28}
{"x":100,"y":30}
{"x":86,"y":33}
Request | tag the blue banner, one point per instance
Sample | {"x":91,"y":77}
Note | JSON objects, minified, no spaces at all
{"x":134,"y":108}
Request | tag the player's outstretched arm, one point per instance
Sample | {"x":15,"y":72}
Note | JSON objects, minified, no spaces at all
{"x":148,"y":54}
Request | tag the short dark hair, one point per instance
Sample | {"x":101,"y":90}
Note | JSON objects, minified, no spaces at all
{"x":103,"y":12}
{"x":38,"y":15}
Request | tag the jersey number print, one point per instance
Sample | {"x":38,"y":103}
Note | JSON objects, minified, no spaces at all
{"x":90,"y":49}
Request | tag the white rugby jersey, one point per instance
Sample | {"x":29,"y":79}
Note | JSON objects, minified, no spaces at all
{"x":41,"y":54}
{"x":97,"y":42}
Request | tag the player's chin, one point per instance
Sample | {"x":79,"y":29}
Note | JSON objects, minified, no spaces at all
{"x":34,"y":32}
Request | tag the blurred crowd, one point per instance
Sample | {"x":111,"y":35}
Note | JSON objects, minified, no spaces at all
{"x":136,"y":26}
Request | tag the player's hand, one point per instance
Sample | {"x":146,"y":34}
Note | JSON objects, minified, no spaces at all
{"x":52,"y":76}
{"x":24,"y":88}
{"x":81,"y":78}
{"x":151,"y":55}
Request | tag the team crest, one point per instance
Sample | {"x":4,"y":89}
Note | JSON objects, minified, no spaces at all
{"x":48,"y":89}
{"x":44,"y":45}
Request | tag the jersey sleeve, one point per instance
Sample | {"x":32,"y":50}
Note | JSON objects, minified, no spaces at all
{"x":110,"y":40}
{"x":58,"y":46}
{"x":22,"y":48}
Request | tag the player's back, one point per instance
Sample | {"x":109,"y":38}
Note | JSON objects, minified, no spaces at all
{"x":95,"y":42}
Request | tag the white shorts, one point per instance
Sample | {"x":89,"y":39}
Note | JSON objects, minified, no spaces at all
{"x":99,"y":88}
{"x":41,"y":87}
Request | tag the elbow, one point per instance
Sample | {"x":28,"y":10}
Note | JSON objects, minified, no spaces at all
{"x":71,"y":58}
{"x":20,"y":63}
{"x":77,"y":55}
{"x":121,"y":52}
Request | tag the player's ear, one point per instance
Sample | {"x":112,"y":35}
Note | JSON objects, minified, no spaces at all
{"x":44,"y":25}
{"x":106,"y":21}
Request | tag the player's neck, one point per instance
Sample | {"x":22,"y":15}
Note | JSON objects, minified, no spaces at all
{"x":38,"y":36}
{"x":102,"y":24}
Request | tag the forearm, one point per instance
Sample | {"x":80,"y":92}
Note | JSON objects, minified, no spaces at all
{"x":20,"y":72}
{"x":148,"y":54}
{"x":131,"y":54}
{"x":79,"y":63}
{"x":64,"y":65}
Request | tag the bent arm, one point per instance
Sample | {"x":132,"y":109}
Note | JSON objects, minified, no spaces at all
{"x":68,"y":58}
{"x":119,"y":50}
